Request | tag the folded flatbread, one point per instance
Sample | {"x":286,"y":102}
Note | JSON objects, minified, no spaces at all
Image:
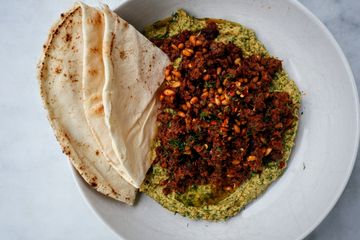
{"x":94,"y":78}
{"x":60,"y":73}
{"x":134,"y":70}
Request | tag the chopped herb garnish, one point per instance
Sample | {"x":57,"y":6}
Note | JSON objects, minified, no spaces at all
{"x":210,"y":84}
{"x":203,"y":115}
{"x":229,"y":76}
{"x":176,"y":143}
{"x":170,"y":110}
{"x":206,"y":116}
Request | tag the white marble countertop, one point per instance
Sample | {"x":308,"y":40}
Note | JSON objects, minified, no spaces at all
{"x":38,"y":196}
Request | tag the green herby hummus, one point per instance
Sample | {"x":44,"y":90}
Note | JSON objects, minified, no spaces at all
{"x":200,"y":201}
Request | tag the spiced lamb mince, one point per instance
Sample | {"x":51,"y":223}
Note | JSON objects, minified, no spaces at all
{"x":227,"y":120}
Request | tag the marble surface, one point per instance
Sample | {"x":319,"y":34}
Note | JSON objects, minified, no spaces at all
{"x":38,"y":196}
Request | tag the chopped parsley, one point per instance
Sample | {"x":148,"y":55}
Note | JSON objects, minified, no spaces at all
{"x":210,"y":84}
{"x":170,"y":111}
{"x":177,"y":143}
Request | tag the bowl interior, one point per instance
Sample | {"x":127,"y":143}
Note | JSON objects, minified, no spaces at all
{"x":326,"y":144}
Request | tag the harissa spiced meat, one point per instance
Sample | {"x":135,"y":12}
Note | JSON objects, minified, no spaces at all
{"x":218,"y":120}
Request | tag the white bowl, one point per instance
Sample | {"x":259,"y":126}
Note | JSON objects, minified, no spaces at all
{"x":326,"y":144}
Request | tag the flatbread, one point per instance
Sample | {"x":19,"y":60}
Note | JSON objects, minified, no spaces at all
{"x":94,"y":79}
{"x":134,"y":69}
{"x":60,"y":74}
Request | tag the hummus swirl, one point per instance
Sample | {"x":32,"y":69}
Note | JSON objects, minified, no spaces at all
{"x":200,"y":201}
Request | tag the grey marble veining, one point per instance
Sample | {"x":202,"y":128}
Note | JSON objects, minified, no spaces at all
{"x":38,"y":196}
{"x":342,"y":17}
